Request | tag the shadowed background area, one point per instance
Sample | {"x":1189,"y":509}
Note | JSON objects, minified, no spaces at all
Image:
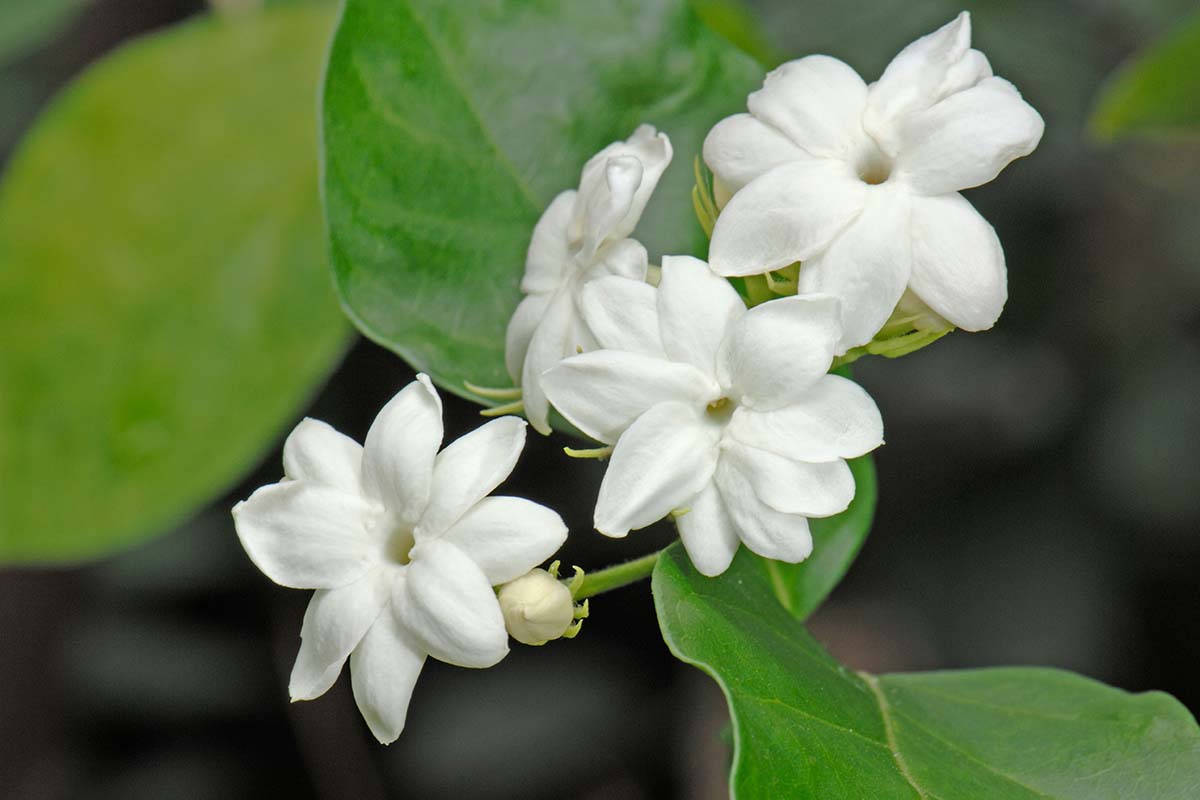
{"x":1039,"y":498}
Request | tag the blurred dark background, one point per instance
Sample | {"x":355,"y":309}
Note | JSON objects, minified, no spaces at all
{"x":1039,"y":499}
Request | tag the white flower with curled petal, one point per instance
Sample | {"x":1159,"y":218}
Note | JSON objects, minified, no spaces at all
{"x":580,"y":237}
{"x":402,"y":545}
{"x":860,"y":183}
{"x":724,"y":415}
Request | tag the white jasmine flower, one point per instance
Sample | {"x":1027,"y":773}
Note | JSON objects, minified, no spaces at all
{"x":725,"y":416}
{"x":402,"y":546}
{"x":537,"y":607}
{"x":861,"y":182}
{"x":580,"y":237}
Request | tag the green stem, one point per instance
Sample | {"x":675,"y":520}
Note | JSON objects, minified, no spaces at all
{"x":757,"y":290}
{"x":616,"y":576}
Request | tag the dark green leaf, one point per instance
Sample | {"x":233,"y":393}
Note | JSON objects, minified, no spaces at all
{"x":449,"y":127}
{"x":165,"y":304}
{"x":1156,"y":93}
{"x":807,"y":727}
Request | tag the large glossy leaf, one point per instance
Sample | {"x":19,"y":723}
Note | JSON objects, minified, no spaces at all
{"x":165,"y":304}
{"x":800,"y":588}
{"x":1157,"y":92}
{"x":26,"y":24}
{"x":450,"y":126}
{"x":807,"y":727}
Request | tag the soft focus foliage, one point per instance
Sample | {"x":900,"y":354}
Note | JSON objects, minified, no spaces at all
{"x":24,"y":25}
{"x":164,"y":301}
{"x":1158,"y":92}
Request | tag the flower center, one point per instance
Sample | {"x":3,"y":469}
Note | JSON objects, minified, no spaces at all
{"x":873,"y":166}
{"x":720,"y":410}
{"x":396,"y":538}
{"x":400,"y":545}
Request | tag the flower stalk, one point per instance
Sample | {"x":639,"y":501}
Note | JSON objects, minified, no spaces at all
{"x":616,"y":576}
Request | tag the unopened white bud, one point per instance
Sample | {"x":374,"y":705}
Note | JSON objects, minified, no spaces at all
{"x":536,"y":607}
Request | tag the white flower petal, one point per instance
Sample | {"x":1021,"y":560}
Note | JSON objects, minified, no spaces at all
{"x":400,"y":448}
{"x":611,"y":201}
{"x":548,"y":263}
{"x":624,"y":257}
{"x":383,"y":672}
{"x":307,"y":536}
{"x":788,"y":214}
{"x":923,"y":73}
{"x":817,"y":102}
{"x":604,"y":391}
{"x":958,"y":265}
{"x":315,"y":452}
{"x":696,"y":307}
{"x":779,"y":349}
{"x":603,"y":204}
{"x":521,"y":327}
{"x":866,"y":266}
{"x":966,"y":139}
{"x":793,"y":487}
{"x":765,"y":531}
{"x":334,"y":623}
{"x":550,"y":344}
{"x":623,"y":315}
{"x":740,"y":148}
{"x":834,"y":419}
{"x":708,"y":533}
{"x":507,"y":536}
{"x":468,"y":470}
{"x":446,"y":602}
{"x":660,"y":463}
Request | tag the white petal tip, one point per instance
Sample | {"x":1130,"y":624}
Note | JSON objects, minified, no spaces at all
{"x":386,"y":738}
{"x":960,"y":27}
{"x":612,"y":534}
{"x":301,"y":694}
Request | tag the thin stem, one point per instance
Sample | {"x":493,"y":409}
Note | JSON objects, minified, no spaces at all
{"x":616,"y":576}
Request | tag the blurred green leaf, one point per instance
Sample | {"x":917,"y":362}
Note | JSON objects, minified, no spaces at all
{"x":806,"y":726}
{"x":26,"y":24}
{"x":1158,"y":92}
{"x":450,"y":127}
{"x":165,"y":304}
{"x":800,"y":588}
{"x":733,"y":20}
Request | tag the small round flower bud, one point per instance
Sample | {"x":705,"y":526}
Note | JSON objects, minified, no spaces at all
{"x":536,"y":607}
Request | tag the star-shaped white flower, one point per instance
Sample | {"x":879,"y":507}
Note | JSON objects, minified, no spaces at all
{"x":580,"y":237}
{"x":401,"y":544}
{"x":723,"y":415}
{"x":861,"y":183}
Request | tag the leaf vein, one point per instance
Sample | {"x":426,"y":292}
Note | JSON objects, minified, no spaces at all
{"x":810,"y":715}
{"x":890,"y":732}
{"x":973,"y":758}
